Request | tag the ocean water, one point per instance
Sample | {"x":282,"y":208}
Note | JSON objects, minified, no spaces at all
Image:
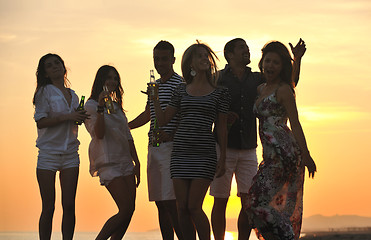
{"x":152,"y":235}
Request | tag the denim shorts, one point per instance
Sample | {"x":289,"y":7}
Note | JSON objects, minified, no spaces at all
{"x":57,"y":162}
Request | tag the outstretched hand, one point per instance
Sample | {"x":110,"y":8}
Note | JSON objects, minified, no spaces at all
{"x":299,"y":50}
{"x":310,"y":164}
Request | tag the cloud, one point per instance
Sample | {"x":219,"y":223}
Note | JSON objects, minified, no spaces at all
{"x":331,"y":114}
{"x":4,"y":38}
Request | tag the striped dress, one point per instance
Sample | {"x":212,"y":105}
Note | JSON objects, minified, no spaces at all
{"x":194,"y":150}
{"x":165,"y":91}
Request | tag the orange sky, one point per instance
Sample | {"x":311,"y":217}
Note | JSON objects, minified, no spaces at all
{"x":333,"y":94}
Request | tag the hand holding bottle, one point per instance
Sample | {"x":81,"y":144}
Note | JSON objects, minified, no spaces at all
{"x":105,"y":99}
{"x":80,"y":108}
{"x":152,"y":88}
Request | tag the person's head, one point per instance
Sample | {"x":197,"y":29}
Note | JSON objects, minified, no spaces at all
{"x":51,"y":66}
{"x":237,"y":51}
{"x":107,"y":76}
{"x":276,"y":59}
{"x":199,"y":58}
{"x":163,"y":57}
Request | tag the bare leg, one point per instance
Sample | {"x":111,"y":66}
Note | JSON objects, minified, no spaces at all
{"x":166,"y":227}
{"x":196,"y":198}
{"x":123,"y":192}
{"x":46,"y":180}
{"x":172,"y":212}
{"x":218,"y":221}
{"x":181,"y":188}
{"x":168,"y":219}
{"x":244,"y":226}
{"x":68,"y":179}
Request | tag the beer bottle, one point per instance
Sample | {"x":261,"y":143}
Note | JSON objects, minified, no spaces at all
{"x":155,"y":135}
{"x":108,"y":102}
{"x":80,"y":108}
{"x":152,"y":83}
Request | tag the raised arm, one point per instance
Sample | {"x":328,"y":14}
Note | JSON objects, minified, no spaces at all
{"x":287,"y":99}
{"x":298,"y":52}
{"x":163,"y":116}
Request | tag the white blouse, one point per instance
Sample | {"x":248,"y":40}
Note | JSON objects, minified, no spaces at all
{"x":114,"y":148}
{"x":62,"y":138}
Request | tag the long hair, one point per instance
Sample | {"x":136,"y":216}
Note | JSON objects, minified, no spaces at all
{"x":283,"y":52}
{"x":41,"y":79}
{"x":99,"y":81}
{"x":187,"y":58}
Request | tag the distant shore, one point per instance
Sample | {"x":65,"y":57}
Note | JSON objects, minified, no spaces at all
{"x":339,"y":234}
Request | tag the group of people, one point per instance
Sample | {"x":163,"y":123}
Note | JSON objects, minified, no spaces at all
{"x":203,"y":124}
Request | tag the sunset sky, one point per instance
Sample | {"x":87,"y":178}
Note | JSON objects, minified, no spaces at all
{"x":333,"y":94}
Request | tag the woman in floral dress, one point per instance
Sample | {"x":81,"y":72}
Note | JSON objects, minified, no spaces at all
{"x":275,"y":199}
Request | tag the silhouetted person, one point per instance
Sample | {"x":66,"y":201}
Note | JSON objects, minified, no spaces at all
{"x":55,"y":116}
{"x":112,"y":152}
{"x":194,"y":160}
{"x":241,"y":159}
{"x":160,"y":186}
{"x":274,"y":203}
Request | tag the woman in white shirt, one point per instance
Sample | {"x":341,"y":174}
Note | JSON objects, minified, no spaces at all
{"x":55,"y":116}
{"x":112,"y":151}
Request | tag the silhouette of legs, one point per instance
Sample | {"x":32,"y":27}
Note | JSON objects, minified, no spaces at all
{"x":168,"y":219}
{"x":190,"y":194}
{"x":68,"y":180}
{"x":244,"y":226}
{"x":218,"y":221}
{"x":123,"y":192}
{"x":46,"y":180}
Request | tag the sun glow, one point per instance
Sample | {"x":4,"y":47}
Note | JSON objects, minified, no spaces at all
{"x":229,"y":236}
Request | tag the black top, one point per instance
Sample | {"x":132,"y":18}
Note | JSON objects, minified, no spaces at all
{"x":242,"y":134}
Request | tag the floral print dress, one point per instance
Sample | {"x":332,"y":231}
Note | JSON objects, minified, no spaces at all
{"x":275,"y":199}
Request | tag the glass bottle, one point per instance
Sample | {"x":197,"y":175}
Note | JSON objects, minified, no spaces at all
{"x":108,"y":102}
{"x":80,"y":108}
{"x":155,"y":135}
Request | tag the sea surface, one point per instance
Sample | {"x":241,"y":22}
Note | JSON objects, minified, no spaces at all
{"x":152,"y":235}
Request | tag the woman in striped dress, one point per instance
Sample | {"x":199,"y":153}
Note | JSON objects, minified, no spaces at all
{"x":194,"y":160}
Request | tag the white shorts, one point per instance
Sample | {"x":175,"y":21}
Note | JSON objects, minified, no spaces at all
{"x":57,"y":162}
{"x":108,"y":173}
{"x":160,"y":185}
{"x":244,"y":164}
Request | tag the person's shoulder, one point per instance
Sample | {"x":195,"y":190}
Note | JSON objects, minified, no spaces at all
{"x":91,"y":102}
{"x":222,"y":90}
{"x":45,"y":91}
{"x":285,"y":90}
{"x":49,"y":88}
{"x":177,"y":78}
